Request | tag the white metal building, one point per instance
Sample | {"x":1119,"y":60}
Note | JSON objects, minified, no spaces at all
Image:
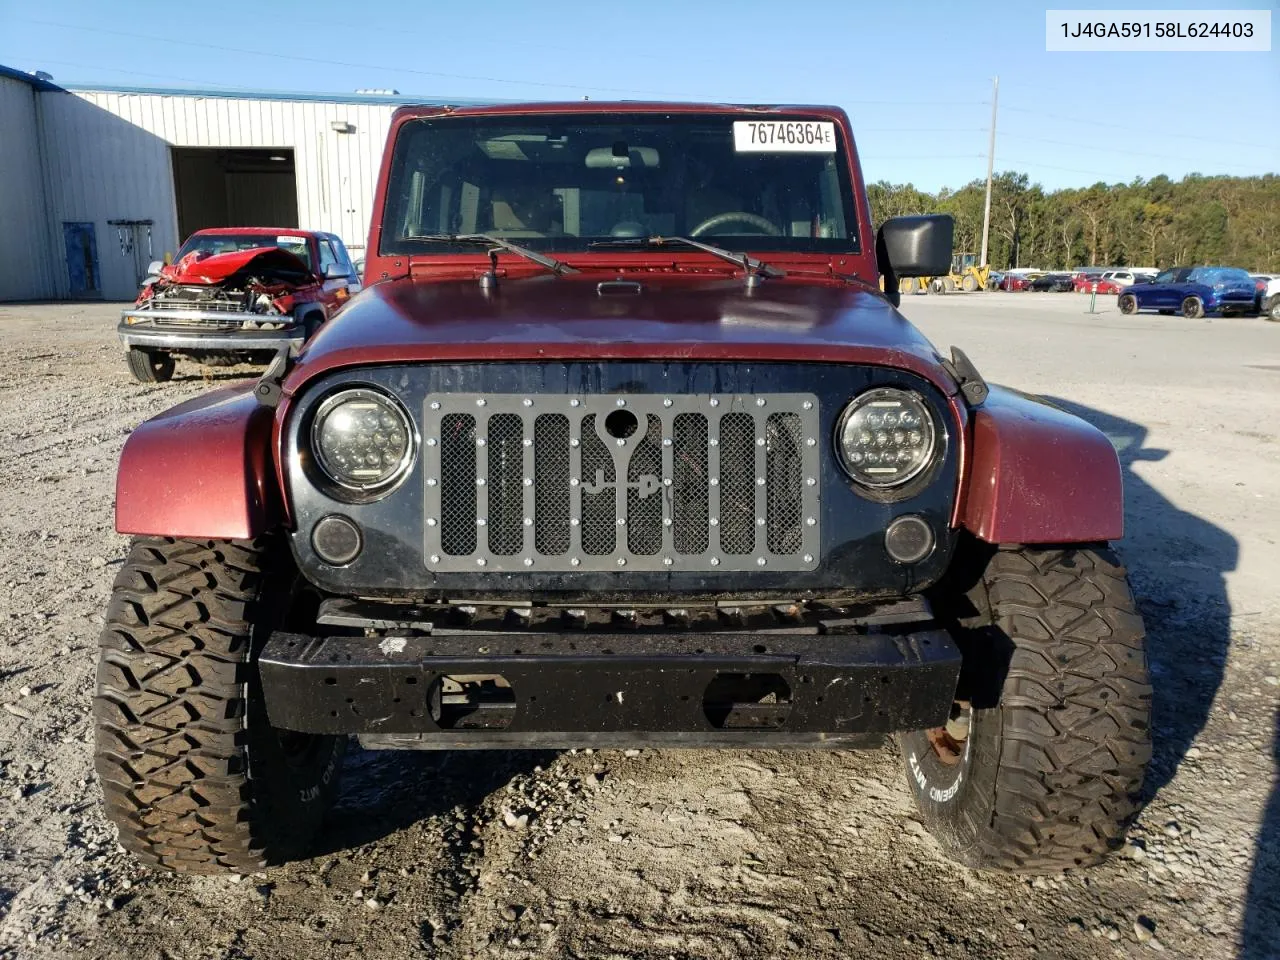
{"x":96,"y":183}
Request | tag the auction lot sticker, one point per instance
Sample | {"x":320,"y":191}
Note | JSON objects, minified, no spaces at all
{"x":784,"y":136}
{"x":1122,"y":31}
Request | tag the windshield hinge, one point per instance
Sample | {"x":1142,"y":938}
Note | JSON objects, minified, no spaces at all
{"x":966,"y":375}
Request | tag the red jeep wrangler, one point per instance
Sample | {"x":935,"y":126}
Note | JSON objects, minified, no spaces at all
{"x":235,"y":294}
{"x":623,"y":445}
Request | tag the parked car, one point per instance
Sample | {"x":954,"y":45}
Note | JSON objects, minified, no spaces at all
{"x":1269,"y":305}
{"x":1193,"y":291}
{"x":1125,"y":278}
{"x":1016,"y":280}
{"x":662,"y":468}
{"x":1082,"y":279}
{"x":1051,"y":283}
{"x":235,"y":294}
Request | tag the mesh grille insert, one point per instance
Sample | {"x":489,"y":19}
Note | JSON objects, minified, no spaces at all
{"x":689,"y":492}
{"x":784,"y":468}
{"x":551,"y":484}
{"x":458,"y":484}
{"x":505,"y":482}
{"x":644,"y":492}
{"x":737,"y":483}
{"x":599,"y":508}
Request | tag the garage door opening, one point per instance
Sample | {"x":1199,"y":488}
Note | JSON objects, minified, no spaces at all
{"x":218,"y":187}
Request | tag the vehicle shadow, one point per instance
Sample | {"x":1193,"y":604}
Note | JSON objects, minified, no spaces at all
{"x":386,"y":791}
{"x":1177,"y":564}
{"x":1260,"y":937}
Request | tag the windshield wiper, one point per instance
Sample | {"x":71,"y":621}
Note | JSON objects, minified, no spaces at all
{"x":754,"y":269}
{"x":483,"y":239}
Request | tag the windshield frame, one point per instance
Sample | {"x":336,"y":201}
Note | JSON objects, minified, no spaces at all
{"x":847,"y":173}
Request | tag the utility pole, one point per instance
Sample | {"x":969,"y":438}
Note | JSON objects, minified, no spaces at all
{"x":991,"y":159}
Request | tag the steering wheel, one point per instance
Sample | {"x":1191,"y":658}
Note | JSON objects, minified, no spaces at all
{"x":739,"y":216}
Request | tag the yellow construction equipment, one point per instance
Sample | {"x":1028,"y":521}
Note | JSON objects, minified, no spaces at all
{"x":966,"y":274}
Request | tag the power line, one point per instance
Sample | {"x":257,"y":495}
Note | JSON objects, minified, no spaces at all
{"x":1105,"y":149}
{"x":1127,"y":126}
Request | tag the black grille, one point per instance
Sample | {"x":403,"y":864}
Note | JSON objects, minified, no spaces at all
{"x":551,"y":484}
{"x":644,"y":492}
{"x":458,"y":484}
{"x":689,"y":492}
{"x":505,"y":482}
{"x":737,"y":483}
{"x":784,"y":481}
{"x":599,"y":509}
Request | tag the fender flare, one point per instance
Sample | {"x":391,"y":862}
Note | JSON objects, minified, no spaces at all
{"x":1038,"y":474}
{"x":201,"y":470}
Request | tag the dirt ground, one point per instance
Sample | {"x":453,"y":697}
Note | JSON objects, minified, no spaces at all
{"x":669,"y":854}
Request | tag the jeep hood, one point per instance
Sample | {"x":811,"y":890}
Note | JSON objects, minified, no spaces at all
{"x":671,"y":317}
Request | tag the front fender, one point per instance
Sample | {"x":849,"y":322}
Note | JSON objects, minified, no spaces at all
{"x":201,"y":469}
{"x":1038,"y":474}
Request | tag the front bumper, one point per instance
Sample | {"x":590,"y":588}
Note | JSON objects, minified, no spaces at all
{"x":192,"y":330}
{"x":612,"y":689}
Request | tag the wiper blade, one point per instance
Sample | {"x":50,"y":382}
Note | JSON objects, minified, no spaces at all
{"x":753,"y":267}
{"x":484,"y":239}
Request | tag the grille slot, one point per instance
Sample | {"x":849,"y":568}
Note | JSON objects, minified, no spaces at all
{"x":551,"y":484}
{"x":505,"y":482}
{"x":737,"y":483}
{"x":784,"y":482}
{"x":644,"y":486}
{"x":689,"y":493}
{"x":705,"y":482}
{"x":458,"y":484}
{"x":599,"y":506}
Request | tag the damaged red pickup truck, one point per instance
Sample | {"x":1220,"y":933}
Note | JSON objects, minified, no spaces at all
{"x":236,"y":294}
{"x":623,"y":445}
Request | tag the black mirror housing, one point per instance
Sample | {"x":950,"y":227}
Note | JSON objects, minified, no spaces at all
{"x":917,"y":246}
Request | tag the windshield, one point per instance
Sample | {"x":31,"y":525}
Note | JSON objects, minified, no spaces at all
{"x":554,"y":182}
{"x":212,"y":243}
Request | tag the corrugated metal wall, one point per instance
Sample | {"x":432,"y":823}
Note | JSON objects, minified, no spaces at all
{"x":108,"y":158}
{"x":26,"y":273}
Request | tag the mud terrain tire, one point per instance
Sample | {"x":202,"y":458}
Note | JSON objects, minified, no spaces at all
{"x":192,"y":773}
{"x":1050,"y":774}
{"x":150,"y":366}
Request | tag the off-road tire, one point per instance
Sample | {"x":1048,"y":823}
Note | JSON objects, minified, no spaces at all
{"x":1050,"y":775}
{"x":192,"y":773}
{"x":1128,"y":303}
{"x":150,"y":366}
{"x":1193,"y":308}
{"x":949,"y":285}
{"x":937,"y":285}
{"x":1271,"y":309}
{"x":969,"y":284}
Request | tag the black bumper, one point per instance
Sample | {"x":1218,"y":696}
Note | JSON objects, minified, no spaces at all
{"x":723,"y":690}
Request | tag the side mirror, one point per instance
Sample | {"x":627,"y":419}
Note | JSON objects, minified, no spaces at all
{"x":335,"y":271}
{"x":154,"y":268}
{"x":915,"y":246}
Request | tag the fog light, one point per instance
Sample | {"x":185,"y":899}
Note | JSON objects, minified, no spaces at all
{"x":336,"y":540}
{"x":908,"y":539}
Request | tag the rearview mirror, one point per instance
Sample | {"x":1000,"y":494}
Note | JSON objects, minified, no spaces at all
{"x":915,"y":246}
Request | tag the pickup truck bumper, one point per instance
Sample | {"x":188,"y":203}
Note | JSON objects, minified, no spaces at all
{"x":758,"y":690}
{"x":183,"y":330}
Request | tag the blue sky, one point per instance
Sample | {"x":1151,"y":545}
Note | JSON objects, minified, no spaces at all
{"x":915,"y":77}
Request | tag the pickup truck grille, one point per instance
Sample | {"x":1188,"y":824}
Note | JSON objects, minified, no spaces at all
{"x":621,"y":482}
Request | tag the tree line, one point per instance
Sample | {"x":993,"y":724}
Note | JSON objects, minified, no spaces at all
{"x":1219,"y":221}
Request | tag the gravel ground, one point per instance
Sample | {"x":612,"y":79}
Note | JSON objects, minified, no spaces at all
{"x":659,"y":854}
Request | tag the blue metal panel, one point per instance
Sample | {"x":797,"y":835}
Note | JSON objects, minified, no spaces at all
{"x":82,"y":258}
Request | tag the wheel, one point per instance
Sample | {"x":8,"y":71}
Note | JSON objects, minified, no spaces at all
{"x":1271,"y":309}
{"x":937,"y":285}
{"x":150,"y":366}
{"x":192,"y":772}
{"x":1193,"y":308}
{"x":948,"y":284}
{"x":1128,"y":303}
{"x":1040,"y":767}
{"x":969,"y":284}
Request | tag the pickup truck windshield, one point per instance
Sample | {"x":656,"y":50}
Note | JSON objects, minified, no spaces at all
{"x":564,"y":182}
{"x":212,"y":243}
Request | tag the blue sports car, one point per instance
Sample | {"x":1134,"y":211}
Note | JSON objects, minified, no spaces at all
{"x":1193,"y":292}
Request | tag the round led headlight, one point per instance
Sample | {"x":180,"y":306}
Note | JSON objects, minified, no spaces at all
{"x":885,"y":437}
{"x":362,"y":440}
